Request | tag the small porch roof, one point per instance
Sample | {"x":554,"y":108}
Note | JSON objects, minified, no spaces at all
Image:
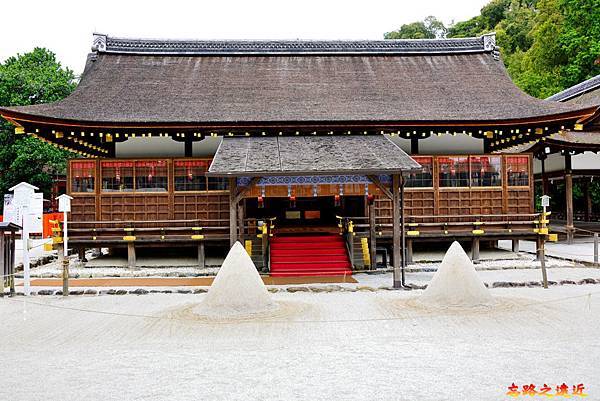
{"x":309,"y":155}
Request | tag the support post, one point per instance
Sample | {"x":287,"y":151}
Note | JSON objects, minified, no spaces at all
{"x":81,"y":255}
{"x":588,"y":199}
{"x":232,"y":211}
{"x":475,"y":250}
{"x":201,"y":255}
{"x":544,"y":176}
{"x":569,"y":197}
{"x":538,"y":247}
{"x":595,"y":249}
{"x":372,"y":236}
{"x":131,"y":259}
{"x":25,"y":241}
{"x":402,"y":230}
{"x":397,"y":236}
{"x":409,"y":250}
{"x":515,"y":245}
{"x":240,"y":221}
{"x":188,"y":147}
{"x":4,"y":262}
{"x":543,"y":262}
{"x":13,"y":243}
{"x":414,"y":146}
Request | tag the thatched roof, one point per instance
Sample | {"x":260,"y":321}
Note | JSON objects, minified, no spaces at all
{"x":582,"y":140}
{"x":136,"y":82}
{"x":585,"y":93}
{"x":318,"y":155}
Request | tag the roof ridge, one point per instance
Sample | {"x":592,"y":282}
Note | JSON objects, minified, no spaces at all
{"x":108,"y":44}
{"x":576,"y":90}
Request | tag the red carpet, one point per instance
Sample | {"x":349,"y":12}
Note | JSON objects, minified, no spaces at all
{"x":309,"y":255}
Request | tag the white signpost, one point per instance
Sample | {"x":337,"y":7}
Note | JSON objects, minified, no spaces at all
{"x":24,"y":207}
{"x":64,"y":206}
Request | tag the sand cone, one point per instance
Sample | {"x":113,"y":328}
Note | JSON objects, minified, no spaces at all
{"x":456,"y":283}
{"x":237,"y":288}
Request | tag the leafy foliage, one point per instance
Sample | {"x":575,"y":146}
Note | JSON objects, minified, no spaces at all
{"x":31,"y":78}
{"x":546,"y":45}
{"x":429,"y":28}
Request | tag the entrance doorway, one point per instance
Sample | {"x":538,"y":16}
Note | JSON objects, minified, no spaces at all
{"x":310,"y":214}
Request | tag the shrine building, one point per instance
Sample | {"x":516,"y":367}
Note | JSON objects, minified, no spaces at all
{"x":316,"y":155}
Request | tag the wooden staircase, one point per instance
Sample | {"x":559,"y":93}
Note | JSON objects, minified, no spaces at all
{"x":309,"y":255}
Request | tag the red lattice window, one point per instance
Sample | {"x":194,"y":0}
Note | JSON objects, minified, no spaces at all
{"x":189,"y":175}
{"x":83,"y":175}
{"x":486,"y":171}
{"x":424,"y":178}
{"x":151,"y":176}
{"x":517,"y":171}
{"x":453,"y":171}
{"x":117,"y":176}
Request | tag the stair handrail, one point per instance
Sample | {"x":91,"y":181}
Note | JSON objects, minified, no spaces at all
{"x":346,"y":226}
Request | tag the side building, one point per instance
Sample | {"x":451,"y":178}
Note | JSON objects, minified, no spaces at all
{"x":291,"y":145}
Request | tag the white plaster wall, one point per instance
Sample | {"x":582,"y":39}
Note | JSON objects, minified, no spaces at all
{"x":150,"y":147}
{"x":450,"y":144}
{"x":586,"y":161}
{"x":554,"y":162}
{"x":403,"y":143}
{"x":206,"y":147}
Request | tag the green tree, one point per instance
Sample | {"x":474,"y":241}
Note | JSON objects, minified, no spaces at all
{"x":429,"y":28}
{"x":579,"y":40}
{"x":31,"y":78}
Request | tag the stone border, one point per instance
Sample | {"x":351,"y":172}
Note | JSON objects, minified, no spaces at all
{"x":309,"y":288}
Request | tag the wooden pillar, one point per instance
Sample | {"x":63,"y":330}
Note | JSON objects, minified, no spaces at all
{"x":544,"y":176}
{"x":232,"y":212}
{"x":81,"y":255}
{"x":414,"y":146}
{"x":569,"y":197}
{"x":240,"y":221}
{"x":188,"y":147}
{"x":201,"y":255}
{"x":396,"y":238}
{"x":4,"y":262}
{"x":131,"y":259}
{"x":475,"y":250}
{"x":409,"y":250}
{"x":11,"y":262}
{"x":538,"y":247}
{"x":588,"y":199}
{"x":372,"y":236}
{"x":515,"y":245}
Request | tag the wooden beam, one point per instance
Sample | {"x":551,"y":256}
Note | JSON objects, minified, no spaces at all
{"x":241,"y":191}
{"x":569,"y":197}
{"x":375,"y":180}
{"x":131,"y":259}
{"x":414,"y":146}
{"x":396,"y":247}
{"x":232,"y":211}
{"x":201,"y":255}
{"x":372,"y":236}
{"x":475,"y":250}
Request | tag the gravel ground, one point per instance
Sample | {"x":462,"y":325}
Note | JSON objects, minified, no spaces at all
{"x":319,"y":346}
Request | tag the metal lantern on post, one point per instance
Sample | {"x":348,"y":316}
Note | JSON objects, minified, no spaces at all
{"x":64,"y":206}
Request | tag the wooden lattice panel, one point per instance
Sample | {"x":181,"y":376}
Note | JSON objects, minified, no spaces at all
{"x":83,"y":208}
{"x":140,"y":207}
{"x":201,"y":206}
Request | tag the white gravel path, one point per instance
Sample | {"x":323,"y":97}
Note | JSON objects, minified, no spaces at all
{"x":325,"y":346}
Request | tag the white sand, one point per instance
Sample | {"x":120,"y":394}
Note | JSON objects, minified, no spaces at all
{"x":237,"y":288}
{"x":456,"y":283}
{"x":346,"y":346}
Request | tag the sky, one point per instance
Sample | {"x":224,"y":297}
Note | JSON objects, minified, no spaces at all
{"x":66,"y":27}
